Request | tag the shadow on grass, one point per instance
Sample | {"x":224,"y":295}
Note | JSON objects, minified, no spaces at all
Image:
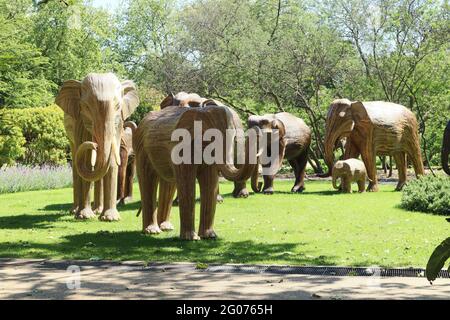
{"x":133,"y":245}
{"x":30,"y":221}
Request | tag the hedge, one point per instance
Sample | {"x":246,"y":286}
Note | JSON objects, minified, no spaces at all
{"x":33,"y":136}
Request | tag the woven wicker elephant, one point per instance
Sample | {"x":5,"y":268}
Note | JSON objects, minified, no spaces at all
{"x":94,"y":112}
{"x":294,"y":141}
{"x":193,"y":100}
{"x":374,"y":128}
{"x":350,"y":170}
{"x":153,"y":146}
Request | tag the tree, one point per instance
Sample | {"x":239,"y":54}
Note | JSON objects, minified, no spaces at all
{"x":22,"y":66}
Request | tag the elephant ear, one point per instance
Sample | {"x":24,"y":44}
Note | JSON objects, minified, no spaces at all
{"x":278,"y":125}
{"x":167,"y":102}
{"x":130,"y":99}
{"x":68,"y":98}
{"x":359,"y":112}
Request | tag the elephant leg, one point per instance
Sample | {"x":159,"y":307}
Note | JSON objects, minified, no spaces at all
{"x":351,"y":150}
{"x":416,"y":158}
{"x":268,"y":184}
{"x":85,"y":209}
{"x":122,"y":173}
{"x":148,"y":185}
{"x":400,"y":160}
{"x":347,"y":185}
{"x":185,"y":177}
{"x":166,"y":193}
{"x":98,"y":196}
{"x":208,"y":179}
{"x":131,"y":171}
{"x":369,"y":160}
{"x":299,"y":170}
{"x":76,"y":180}
{"x":110,"y":212}
{"x":362,"y":184}
{"x":240,"y":190}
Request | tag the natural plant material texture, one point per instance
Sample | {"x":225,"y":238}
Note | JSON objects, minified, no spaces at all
{"x":294,"y":141}
{"x":350,"y":170}
{"x":328,"y":228}
{"x":127,"y":168}
{"x":371,"y":129}
{"x":23,"y":178}
{"x":153,"y":145}
{"x":428,"y":194}
{"x":446,"y":149}
{"x":94,"y":112}
{"x":193,"y":100}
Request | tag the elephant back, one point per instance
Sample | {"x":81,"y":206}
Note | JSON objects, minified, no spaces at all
{"x":297,"y":131}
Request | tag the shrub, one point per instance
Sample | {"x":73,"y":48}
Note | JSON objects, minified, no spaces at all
{"x":428,"y":194}
{"x":23,"y":178}
{"x":33,"y":136}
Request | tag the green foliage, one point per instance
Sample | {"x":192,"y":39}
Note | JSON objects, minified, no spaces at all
{"x":437,"y":260}
{"x":22,"y":65}
{"x":428,"y":194}
{"x":33,"y":136}
{"x":11,"y":140}
{"x":149,"y":101}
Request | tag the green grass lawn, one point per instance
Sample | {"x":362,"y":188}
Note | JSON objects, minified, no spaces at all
{"x":318,"y":227}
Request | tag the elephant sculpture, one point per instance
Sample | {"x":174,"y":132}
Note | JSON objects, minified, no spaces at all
{"x":94,"y":113}
{"x":374,"y":128}
{"x":127,"y":168}
{"x":193,"y":100}
{"x":446,"y":149}
{"x":350,"y":170}
{"x":153,"y":146}
{"x":294,"y":141}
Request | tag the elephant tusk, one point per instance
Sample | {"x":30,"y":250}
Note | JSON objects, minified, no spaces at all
{"x":93,"y":157}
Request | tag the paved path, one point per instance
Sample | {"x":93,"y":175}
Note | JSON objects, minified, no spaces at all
{"x":39,"y":279}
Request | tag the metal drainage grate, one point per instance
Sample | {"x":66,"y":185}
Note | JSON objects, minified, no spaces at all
{"x":327,"y":271}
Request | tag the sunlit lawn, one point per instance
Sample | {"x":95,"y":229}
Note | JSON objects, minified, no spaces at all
{"x":318,"y":227}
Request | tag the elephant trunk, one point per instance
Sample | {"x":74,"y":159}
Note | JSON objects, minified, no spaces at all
{"x":256,"y":186}
{"x":330,"y":141}
{"x":231,"y":172}
{"x":93,"y":166}
{"x":334,"y":180}
{"x":132,"y":125}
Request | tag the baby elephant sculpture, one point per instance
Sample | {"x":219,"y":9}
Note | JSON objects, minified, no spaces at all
{"x":350,"y":170}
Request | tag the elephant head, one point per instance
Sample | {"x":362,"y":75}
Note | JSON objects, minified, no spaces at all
{"x":182,"y":99}
{"x":214,"y":115}
{"x":343,"y":116}
{"x":101,"y":103}
{"x":267,"y":123}
{"x":340,"y":168}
